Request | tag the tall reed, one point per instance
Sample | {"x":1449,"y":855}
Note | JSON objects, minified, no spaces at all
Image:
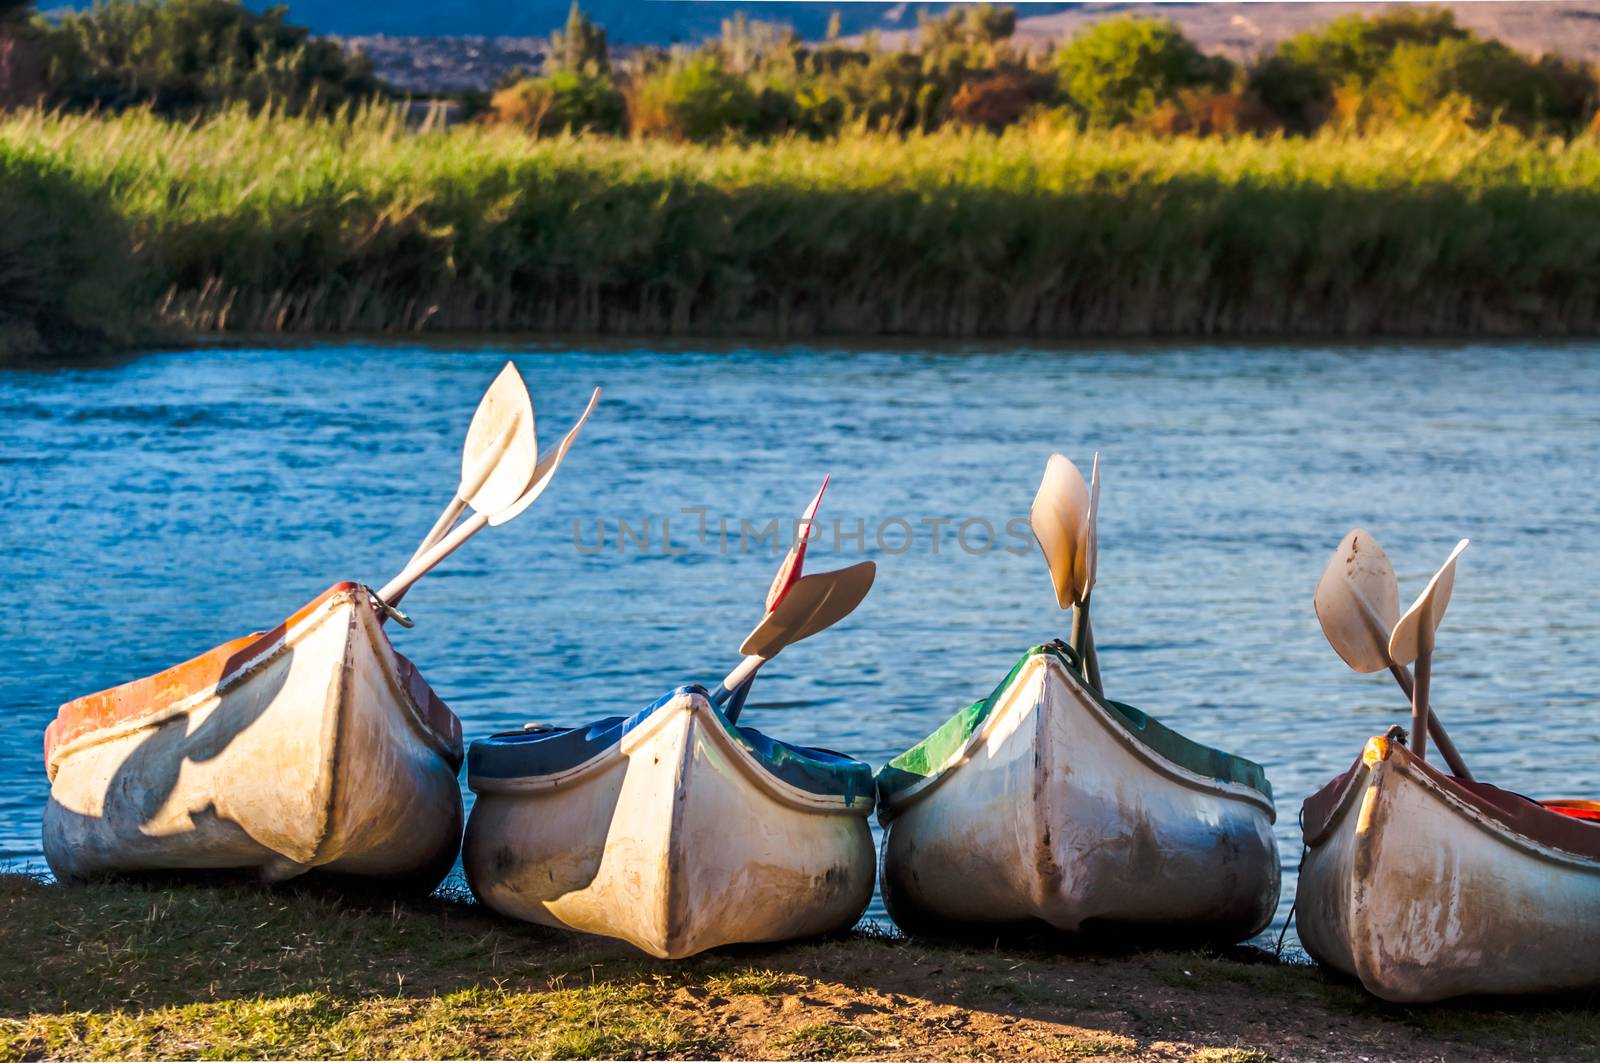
{"x":265,"y":223}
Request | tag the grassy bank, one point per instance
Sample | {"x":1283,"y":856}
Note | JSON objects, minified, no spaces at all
{"x":135,"y":972}
{"x":263,"y":224}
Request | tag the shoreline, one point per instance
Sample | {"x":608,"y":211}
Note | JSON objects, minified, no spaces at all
{"x":123,"y":229}
{"x":141,"y":971}
{"x":468,"y":342}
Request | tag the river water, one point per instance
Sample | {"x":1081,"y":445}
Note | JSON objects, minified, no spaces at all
{"x":157,"y":506}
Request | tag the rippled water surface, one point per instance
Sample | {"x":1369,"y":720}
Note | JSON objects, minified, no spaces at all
{"x":158,"y":506}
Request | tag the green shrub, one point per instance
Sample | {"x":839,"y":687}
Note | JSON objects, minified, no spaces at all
{"x":1298,"y":96}
{"x":561,"y":101}
{"x":697,"y":100}
{"x":995,"y":101}
{"x":1124,"y":67}
{"x":1311,"y":75}
{"x":66,"y":277}
{"x":184,"y":56}
{"x":1496,"y":81}
{"x":1357,"y":48}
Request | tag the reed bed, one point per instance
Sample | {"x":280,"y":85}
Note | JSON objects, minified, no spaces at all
{"x":263,"y":223}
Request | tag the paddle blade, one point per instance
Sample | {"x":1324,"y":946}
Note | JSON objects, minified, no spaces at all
{"x":546,"y":470}
{"x":795,"y":559}
{"x":1413,"y":635}
{"x":1057,"y":519}
{"x":1089,"y":558}
{"x":814,"y":603}
{"x":501,"y":449}
{"x":1358,"y":602}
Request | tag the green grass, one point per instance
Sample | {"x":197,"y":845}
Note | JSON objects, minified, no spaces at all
{"x":263,"y":223}
{"x":752,"y":981}
{"x":823,"y":1040}
{"x":1091,"y":1046}
{"x":129,"y":971}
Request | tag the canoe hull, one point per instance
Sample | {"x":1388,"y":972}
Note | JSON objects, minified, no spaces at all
{"x":315,"y":747}
{"x":1056,"y":814}
{"x":675,"y":841}
{"x":1423,"y":893}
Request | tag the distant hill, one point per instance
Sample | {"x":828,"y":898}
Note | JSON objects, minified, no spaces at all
{"x":627,"y":21}
{"x":428,"y":46}
{"x":1240,"y":30}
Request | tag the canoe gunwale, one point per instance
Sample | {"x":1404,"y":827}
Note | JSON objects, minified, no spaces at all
{"x":714,"y":724}
{"x":1394,"y":759}
{"x":271,"y":645}
{"x":1352,"y":784}
{"x":889,"y":808}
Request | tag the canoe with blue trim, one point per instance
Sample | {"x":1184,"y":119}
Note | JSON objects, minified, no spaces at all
{"x":1044,"y":802}
{"x":672,"y":829}
{"x":1426,"y":886}
{"x":314,"y":746}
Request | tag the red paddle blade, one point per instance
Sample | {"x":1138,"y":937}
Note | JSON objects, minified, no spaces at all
{"x":795,"y":559}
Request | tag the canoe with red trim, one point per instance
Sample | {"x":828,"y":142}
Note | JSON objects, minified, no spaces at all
{"x":1425,"y":886}
{"x":311,"y":746}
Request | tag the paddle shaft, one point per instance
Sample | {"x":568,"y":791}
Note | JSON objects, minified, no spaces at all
{"x":1436,"y":731}
{"x":437,"y":532}
{"x":741,"y":673}
{"x":471,"y":483}
{"x":1082,"y":642}
{"x":421,"y":566}
{"x":1091,"y":659}
{"x":1447,"y":748}
{"x":1419,"y":705}
{"x":441,"y":526}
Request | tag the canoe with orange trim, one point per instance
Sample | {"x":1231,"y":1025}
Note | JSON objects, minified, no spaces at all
{"x":314,"y":746}
{"x":1425,"y":886}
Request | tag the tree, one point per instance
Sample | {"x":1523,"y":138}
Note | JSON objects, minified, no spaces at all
{"x":581,"y":47}
{"x":1122,"y":68}
{"x":183,"y":56}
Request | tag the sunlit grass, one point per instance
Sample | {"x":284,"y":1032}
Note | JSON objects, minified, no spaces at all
{"x":261,"y":223}
{"x":238,"y":971}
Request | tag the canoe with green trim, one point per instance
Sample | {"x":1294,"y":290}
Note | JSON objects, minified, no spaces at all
{"x":672,"y":829}
{"x":1045,"y":802}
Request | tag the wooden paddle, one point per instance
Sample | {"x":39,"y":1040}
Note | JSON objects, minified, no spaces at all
{"x":812,"y":604}
{"x":498,"y":456}
{"x":1412,"y":640}
{"x":1063,"y":522}
{"x":1358,"y":605}
{"x":532,"y":488}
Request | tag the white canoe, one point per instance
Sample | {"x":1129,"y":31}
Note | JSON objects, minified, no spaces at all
{"x":670,"y":829}
{"x":1044,"y":802}
{"x":1425,"y":886}
{"x":312,"y":746}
